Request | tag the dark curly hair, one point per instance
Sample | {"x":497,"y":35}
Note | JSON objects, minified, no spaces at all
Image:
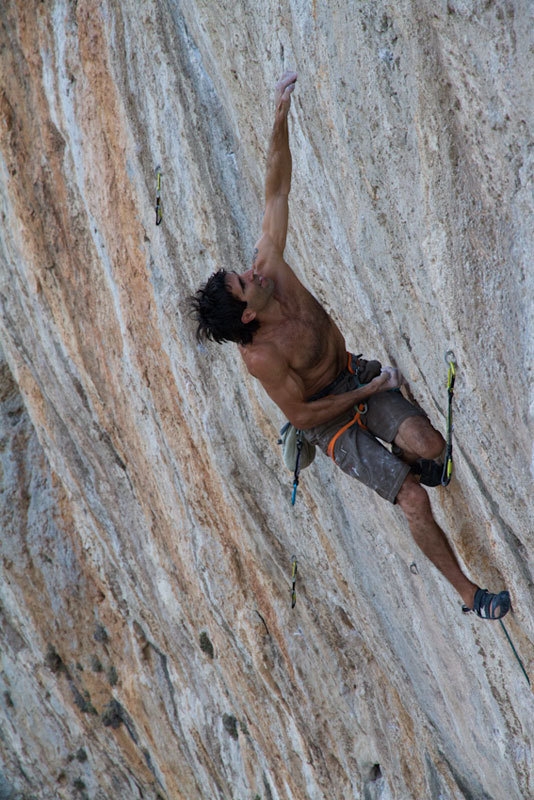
{"x":218,"y":313}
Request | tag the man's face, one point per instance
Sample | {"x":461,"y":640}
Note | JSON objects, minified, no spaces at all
{"x":254,"y":289}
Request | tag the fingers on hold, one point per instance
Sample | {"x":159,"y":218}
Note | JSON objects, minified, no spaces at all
{"x":288,"y":79}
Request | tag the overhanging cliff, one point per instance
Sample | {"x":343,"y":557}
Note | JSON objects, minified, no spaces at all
{"x":148,"y":644}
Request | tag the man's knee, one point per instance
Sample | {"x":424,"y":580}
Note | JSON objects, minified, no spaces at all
{"x":433,"y":443}
{"x":417,"y":435}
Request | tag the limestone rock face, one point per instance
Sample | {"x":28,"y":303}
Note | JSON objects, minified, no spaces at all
{"x":148,"y":644}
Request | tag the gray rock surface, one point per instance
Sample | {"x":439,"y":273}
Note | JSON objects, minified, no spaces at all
{"x":148,"y":645}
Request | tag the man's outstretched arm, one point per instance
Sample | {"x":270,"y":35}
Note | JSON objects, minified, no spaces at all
{"x":278,"y":175}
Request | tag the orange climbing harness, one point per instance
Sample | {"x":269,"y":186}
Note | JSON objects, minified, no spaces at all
{"x":357,"y":418}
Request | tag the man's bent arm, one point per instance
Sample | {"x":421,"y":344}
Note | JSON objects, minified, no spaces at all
{"x":279,"y":166}
{"x":318,"y":412}
{"x":285,"y":389}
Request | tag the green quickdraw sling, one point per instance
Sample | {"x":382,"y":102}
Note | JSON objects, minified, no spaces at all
{"x":293,"y":581}
{"x":159,"y":212}
{"x":451,"y":375}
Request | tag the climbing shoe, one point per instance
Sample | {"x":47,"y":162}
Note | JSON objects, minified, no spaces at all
{"x":490,"y":606}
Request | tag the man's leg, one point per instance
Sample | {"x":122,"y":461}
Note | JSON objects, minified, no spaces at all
{"x":418,"y":439}
{"x":413,"y":500}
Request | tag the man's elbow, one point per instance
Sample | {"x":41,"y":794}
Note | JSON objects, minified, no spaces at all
{"x":301,"y":419}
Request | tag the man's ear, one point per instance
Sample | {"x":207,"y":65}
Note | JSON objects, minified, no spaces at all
{"x":248,"y":315}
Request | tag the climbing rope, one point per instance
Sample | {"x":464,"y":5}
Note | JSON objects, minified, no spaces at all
{"x":514,"y":651}
{"x":451,"y":375}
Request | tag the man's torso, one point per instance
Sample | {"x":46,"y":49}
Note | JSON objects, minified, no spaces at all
{"x":304,"y":337}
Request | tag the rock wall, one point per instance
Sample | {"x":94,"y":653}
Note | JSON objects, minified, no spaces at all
{"x":148,"y":644}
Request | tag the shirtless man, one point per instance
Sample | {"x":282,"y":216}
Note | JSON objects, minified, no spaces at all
{"x":291,"y":345}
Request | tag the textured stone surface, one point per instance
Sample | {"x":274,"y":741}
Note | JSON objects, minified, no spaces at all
{"x":148,"y":645}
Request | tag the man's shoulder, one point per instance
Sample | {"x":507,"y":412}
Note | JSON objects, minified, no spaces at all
{"x":266,"y":247}
{"x":269,"y":261}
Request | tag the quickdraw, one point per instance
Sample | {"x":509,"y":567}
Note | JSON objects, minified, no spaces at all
{"x":294,"y":581}
{"x":297,"y":469}
{"x":451,"y":375}
{"x":159,"y":212}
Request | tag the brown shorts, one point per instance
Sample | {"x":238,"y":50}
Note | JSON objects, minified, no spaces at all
{"x":357,"y":451}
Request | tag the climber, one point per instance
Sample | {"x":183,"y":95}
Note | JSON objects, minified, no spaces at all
{"x":294,"y":348}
